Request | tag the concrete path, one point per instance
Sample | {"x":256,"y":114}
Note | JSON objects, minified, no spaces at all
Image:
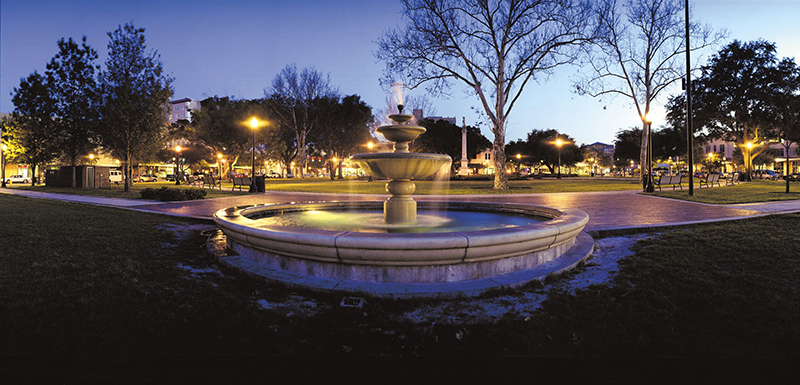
{"x":607,"y":210}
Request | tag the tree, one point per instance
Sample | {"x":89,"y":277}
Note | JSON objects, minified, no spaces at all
{"x":540,"y":146}
{"x":31,"y":130}
{"x":733,"y":97}
{"x":597,"y":156}
{"x":72,"y":84}
{"x":785,"y":107}
{"x":640,"y":54}
{"x":222,"y":124}
{"x":493,"y":47}
{"x":293,"y":94}
{"x":443,"y":137}
{"x":627,"y":146}
{"x":343,"y":126}
{"x":135,"y":92}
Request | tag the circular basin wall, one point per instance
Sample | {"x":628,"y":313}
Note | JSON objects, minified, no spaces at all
{"x":400,"y":258}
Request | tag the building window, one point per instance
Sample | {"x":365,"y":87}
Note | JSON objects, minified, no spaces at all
{"x":722,"y":148}
{"x":708,"y":149}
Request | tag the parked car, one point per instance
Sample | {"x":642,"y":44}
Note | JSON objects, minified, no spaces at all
{"x":115,"y":176}
{"x":289,"y":175}
{"x":793,"y":177}
{"x":273,"y":174}
{"x":17,"y":179}
{"x":148,"y":178}
{"x":767,"y":174}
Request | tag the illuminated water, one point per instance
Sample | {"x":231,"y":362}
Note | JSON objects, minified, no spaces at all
{"x":371,"y":221}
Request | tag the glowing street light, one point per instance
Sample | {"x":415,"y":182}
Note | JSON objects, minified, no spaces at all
{"x":3,"y":149}
{"x":219,"y":165}
{"x":178,"y":172}
{"x":254,"y":126}
{"x":558,"y":142}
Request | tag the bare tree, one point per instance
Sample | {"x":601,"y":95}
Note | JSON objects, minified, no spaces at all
{"x":640,"y":53}
{"x":494,"y":47}
{"x":294,"y":93}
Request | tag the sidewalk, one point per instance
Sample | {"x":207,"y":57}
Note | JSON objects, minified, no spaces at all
{"x":611,"y":210}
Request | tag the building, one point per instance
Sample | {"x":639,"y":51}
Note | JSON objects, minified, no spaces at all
{"x":182,"y":109}
{"x":598,"y":146}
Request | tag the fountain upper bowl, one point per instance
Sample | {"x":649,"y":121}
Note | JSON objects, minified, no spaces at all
{"x":393,"y":165}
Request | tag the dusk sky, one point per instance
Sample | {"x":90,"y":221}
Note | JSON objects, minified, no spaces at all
{"x":235,"y":48}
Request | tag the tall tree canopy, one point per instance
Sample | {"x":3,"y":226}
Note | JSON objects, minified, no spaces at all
{"x":72,"y":84}
{"x":734,"y":97}
{"x":135,"y":92}
{"x":640,"y":53}
{"x":31,"y":130}
{"x":293,"y":94}
{"x":493,"y":47}
{"x":344,"y":126}
{"x":541,"y":148}
{"x":443,"y":137}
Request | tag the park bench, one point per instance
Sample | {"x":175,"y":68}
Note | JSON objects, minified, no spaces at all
{"x":733,"y":179}
{"x":674,"y":180}
{"x":710,"y":180}
{"x":240,"y":182}
{"x":195,"y":181}
{"x":211,"y":182}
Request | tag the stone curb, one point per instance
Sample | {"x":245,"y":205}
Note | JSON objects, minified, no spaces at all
{"x":583,"y":248}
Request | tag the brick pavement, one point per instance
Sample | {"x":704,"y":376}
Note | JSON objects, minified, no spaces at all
{"x":607,"y":210}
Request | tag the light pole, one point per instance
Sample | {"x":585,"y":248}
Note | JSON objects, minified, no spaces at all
{"x":558,"y":144}
{"x":253,"y":126}
{"x":178,"y":149}
{"x":3,"y":164}
{"x":749,"y":161}
{"x":649,"y":187}
{"x":370,"y":146}
{"x":219,"y":165}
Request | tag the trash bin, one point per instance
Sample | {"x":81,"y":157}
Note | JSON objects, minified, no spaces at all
{"x":260,"y":183}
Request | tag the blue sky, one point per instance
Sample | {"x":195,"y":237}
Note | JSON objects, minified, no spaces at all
{"x":236,"y":47}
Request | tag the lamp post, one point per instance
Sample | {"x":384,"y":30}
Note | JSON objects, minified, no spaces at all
{"x":219,"y":165}
{"x":649,"y":187}
{"x":178,"y":149}
{"x":253,"y":126}
{"x":3,"y":164}
{"x":370,"y":145}
{"x":559,"y":143}
{"x":749,"y":161}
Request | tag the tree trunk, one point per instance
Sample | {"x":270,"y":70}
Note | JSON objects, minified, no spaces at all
{"x":33,"y":177}
{"x":498,"y":147}
{"x":340,"y":170}
{"x":643,"y":153}
{"x":74,"y":177}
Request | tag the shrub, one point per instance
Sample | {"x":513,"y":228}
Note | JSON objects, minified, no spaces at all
{"x":173,"y":194}
{"x":149,"y":193}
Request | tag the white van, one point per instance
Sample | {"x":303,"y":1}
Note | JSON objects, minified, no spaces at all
{"x":115,"y":176}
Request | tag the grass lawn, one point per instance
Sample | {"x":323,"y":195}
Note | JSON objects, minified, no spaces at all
{"x":118,"y":191}
{"x":747,"y":192}
{"x":103,"y":285}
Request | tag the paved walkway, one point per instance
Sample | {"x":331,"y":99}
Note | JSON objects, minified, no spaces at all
{"x":607,"y":210}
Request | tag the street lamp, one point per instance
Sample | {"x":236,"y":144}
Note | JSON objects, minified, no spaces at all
{"x":253,"y":126}
{"x":749,"y":146}
{"x":558,"y":142}
{"x":3,"y":149}
{"x":219,"y":165}
{"x":178,"y":149}
{"x":91,"y":159}
{"x":649,"y":187}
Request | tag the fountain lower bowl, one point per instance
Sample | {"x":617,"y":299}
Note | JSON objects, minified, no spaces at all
{"x":405,"y":264}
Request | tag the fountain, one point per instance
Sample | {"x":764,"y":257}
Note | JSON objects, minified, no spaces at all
{"x":450,"y":249}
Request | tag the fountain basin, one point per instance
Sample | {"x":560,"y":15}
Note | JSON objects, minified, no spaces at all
{"x":399,"y":165}
{"x":403,"y":264}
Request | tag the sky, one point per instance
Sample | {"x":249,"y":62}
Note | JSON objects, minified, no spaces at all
{"x":235,"y":48}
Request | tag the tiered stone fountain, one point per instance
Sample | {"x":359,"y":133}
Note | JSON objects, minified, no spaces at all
{"x":455,"y":248}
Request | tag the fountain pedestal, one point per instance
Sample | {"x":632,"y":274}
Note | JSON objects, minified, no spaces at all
{"x":401,"y":166}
